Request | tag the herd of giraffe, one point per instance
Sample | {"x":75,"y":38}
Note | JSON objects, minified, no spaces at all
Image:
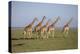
{"x":43,"y":31}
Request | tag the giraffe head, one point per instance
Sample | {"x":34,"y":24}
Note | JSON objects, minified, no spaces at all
{"x":44,"y":17}
{"x":36,"y":19}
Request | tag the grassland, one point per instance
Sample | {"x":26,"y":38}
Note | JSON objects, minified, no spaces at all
{"x":19,"y":44}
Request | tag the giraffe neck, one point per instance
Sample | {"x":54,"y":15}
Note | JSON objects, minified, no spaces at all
{"x":47,"y":23}
{"x":43,"y":19}
{"x":53,"y":24}
{"x":32,"y":22}
{"x":69,"y":21}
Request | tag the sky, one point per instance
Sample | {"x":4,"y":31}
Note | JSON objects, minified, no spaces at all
{"x":23,"y":13}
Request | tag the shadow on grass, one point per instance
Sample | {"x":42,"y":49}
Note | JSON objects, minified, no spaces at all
{"x":20,"y":44}
{"x":24,"y":38}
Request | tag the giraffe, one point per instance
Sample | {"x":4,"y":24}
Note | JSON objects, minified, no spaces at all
{"x":66,"y":28}
{"x":43,"y":30}
{"x":28,"y":29}
{"x":39,"y":25}
{"x":51,"y":27}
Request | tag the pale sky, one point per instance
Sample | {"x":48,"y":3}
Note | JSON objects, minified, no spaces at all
{"x":24,"y":12}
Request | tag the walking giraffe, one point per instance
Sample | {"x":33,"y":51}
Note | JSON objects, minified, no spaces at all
{"x":66,"y":28}
{"x":51,"y":28}
{"x":39,"y":25}
{"x":43,"y":30}
{"x":28,"y":29}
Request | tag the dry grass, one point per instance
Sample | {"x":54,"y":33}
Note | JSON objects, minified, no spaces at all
{"x":19,"y":44}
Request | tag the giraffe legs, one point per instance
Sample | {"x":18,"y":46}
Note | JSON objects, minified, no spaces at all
{"x":44,"y":35}
{"x":37,"y":34}
{"x":53,"y":33}
{"x":41,"y":34}
{"x":65,"y":33}
{"x":29,"y":34}
{"x":47,"y":35}
{"x":24,"y":33}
